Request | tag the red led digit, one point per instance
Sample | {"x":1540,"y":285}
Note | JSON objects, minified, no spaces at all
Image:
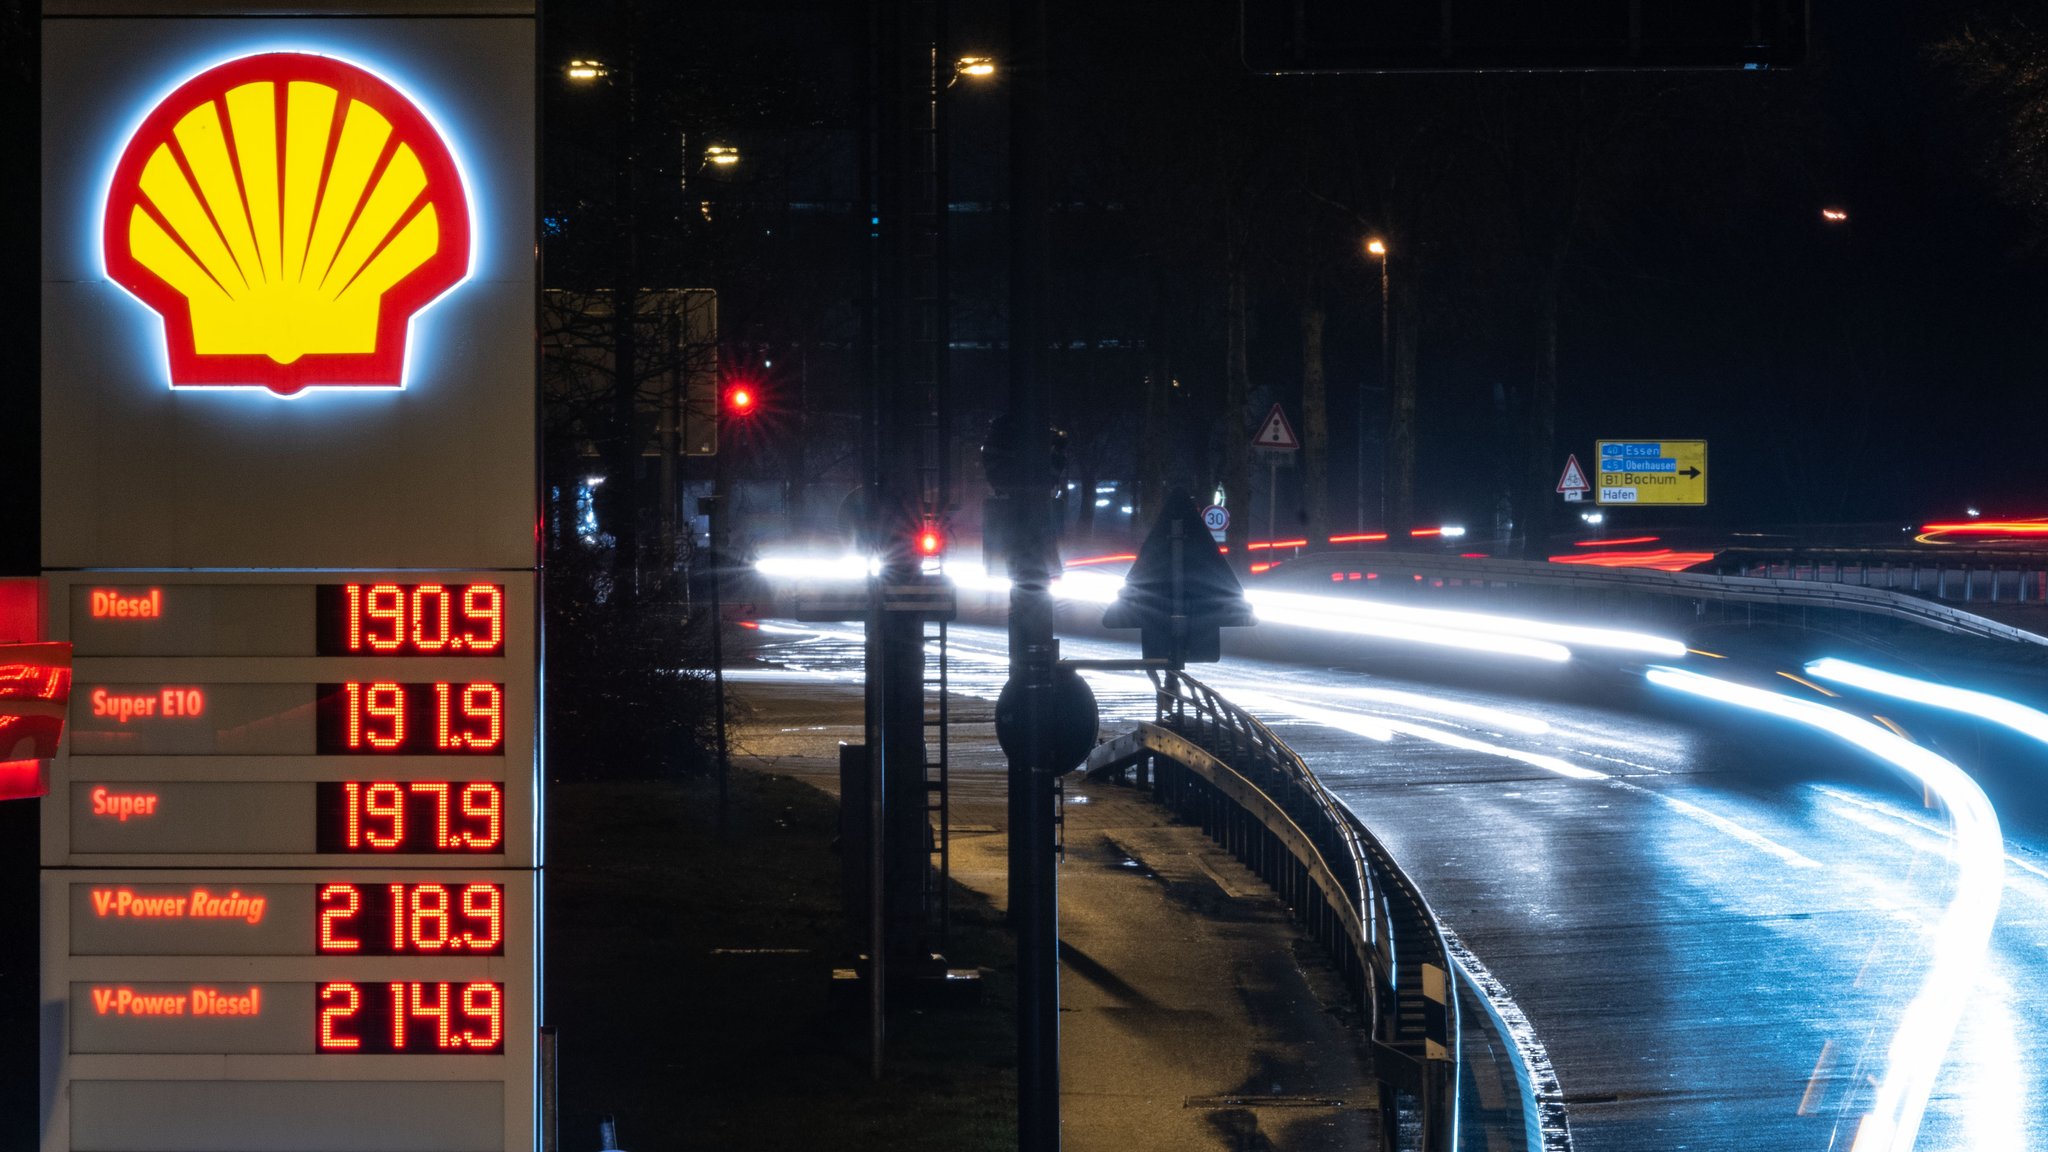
{"x":438,"y":789}
{"x":485,"y":702}
{"x":385,"y":701}
{"x":484,"y":802}
{"x":397,"y":1017}
{"x":444,"y":736}
{"x":388,"y":801}
{"x":355,"y":617}
{"x":339,"y":1001}
{"x":432,"y":627}
{"x":338,"y":903}
{"x":352,"y":795}
{"x":417,"y":1005}
{"x":429,"y":918}
{"x":387,"y":603}
{"x":484,"y":903}
{"x":483,"y":604}
{"x":485,"y":1002}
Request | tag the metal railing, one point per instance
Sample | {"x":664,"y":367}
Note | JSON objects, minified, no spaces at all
{"x":1217,"y":764}
{"x":1957,"y":575}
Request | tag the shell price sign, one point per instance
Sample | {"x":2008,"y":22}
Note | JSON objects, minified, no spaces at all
{"x":291,"y":875}
{"x":1662,"y":472}
{"x":287,"y":214}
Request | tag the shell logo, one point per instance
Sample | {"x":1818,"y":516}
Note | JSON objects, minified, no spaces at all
{"x":287,"y":215}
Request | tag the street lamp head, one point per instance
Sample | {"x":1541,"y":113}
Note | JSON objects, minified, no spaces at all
{"x":1377,"y":247}
{"x":723,"y":155}
{"x":975,"y":66}
{"x":584,"y":71}
{"x":1835,"y":215}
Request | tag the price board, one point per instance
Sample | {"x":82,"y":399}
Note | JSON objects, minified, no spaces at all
{"x":291,"y":854}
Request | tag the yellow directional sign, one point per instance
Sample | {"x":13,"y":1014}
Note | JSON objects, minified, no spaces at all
{"x":1652,"y":472}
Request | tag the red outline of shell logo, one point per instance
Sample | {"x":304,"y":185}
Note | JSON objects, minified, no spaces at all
{"x":287,"y":215}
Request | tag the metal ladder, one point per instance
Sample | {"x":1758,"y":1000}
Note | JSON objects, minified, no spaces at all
{"x":937,"y":783}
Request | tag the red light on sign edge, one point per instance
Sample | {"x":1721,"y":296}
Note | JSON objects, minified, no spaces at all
{"x":24,"y":779}
{"x":21,"y":610}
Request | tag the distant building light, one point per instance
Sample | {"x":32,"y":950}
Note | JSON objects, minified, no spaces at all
{"x":1102,"y":503}
{"x":1127,"y":509}
{"x":1835,"y":215}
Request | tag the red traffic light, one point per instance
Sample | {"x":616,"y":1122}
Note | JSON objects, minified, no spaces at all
{"x":740,"y":400}
{"x":930,"y":542}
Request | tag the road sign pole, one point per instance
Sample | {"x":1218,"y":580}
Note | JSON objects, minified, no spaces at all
{"x":1034,"y":894}
{"x":1272,"y":496}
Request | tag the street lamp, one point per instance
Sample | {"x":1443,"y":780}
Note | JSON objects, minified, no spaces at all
{"x":584,"y":71}
{"x":1377,"y":249}
{"x":1835,"y":215}
{"x":973,"y":67}
{"x":722,"y":155}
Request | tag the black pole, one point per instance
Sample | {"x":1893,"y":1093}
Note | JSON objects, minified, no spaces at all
{"x":719,"y":528}
{"x":1034,"y":893}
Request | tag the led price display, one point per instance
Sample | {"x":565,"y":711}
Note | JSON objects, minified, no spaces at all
{"x":410,"y":816}
{"x":411,"y":919}
{"x":411,"y":1017}
{"x":410,"y":619}
{"x":385,"y":717}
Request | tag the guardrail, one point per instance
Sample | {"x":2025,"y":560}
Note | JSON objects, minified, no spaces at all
{"x":1783,"y":593}
{"x":1216,"y":763}
{"x":1958,"y":574}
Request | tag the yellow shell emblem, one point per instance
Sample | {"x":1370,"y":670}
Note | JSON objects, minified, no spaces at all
{"x":287,"y":215}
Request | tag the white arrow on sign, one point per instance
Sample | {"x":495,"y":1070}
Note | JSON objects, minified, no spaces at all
{"x":1574,"y":478}
{"x":1276,"y":432}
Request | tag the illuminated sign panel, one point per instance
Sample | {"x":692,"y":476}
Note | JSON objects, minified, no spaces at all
{"x":291,"y":842}
{"x":415,"y":816}
{"x":286,"y":214}
{"x":387,"y":718}
{"x":411,"y":619}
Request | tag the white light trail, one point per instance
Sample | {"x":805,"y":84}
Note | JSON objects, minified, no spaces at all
{"x":1480,"y":713}
{"x":1915,"y":1056}
{"x":1480,"y":632}
{"x":1311,"y":612}
{"x":1997,"y":709}
{"x":1333,"y":608}
{"x":850,"y":566}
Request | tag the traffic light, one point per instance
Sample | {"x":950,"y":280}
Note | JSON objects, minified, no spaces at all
{"x":741,"y":400}
{"x":930,"y":541}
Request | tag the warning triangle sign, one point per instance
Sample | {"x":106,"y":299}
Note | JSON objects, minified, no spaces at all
{"x":1276,"y":432}
{"x":1574,"y":478}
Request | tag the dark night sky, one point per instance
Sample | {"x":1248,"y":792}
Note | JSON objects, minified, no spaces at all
{"x":1887,"y":370}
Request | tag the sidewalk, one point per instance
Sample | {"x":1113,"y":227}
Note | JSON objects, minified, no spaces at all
{"x":1194,"y":1015}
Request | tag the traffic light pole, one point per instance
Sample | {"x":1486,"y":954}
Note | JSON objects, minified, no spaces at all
{"x":1034,"y":892}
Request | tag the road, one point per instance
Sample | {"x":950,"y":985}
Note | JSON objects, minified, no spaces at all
{"x":1714,"y":923}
